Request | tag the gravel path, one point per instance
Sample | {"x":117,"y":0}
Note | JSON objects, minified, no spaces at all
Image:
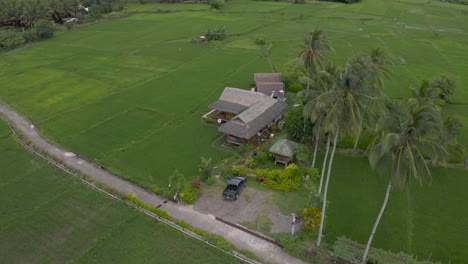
{"x":265,"y":251}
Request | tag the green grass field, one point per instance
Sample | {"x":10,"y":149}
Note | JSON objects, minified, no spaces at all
{"x":129,"y":93}
{"x":48,"y":217}
{"x":428,"y":221}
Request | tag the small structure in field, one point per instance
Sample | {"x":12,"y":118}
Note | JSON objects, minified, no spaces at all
{"x":270,"y":84}
{"x":283,"y":150}
{"x":245,"y":116}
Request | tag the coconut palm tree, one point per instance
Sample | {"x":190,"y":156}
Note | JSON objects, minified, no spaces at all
{"x":372,"y":70}
{"x":403,"y":149}
{"x":325,"y":80}
{"x":312,"y":57}
{"x":341,"y":103}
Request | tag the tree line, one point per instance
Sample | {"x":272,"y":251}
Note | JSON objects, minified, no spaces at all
{"x":25,"y":13}
{"x":337,"y":102}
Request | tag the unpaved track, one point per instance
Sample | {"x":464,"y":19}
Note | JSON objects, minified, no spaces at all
{"x":265,"y":251}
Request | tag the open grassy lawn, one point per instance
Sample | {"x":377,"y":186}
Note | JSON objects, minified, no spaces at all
{"x":129,"y":93}
{"x":48,"y":217}
{"x":429,"y":221}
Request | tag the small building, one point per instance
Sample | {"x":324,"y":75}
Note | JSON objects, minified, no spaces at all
{"x":270,"y":84}
{"x":245,"y":116}
{"x":283,"y":150}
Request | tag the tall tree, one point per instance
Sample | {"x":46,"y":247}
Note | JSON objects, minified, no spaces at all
{"x":371,"y":71}
{"x":312,"y":57}
{"x":403,"y":149}
{"x":325,"y":80}
{"x":342,"y":105}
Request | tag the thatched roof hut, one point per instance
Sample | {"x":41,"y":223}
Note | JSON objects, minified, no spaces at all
{"x":283,"y":150}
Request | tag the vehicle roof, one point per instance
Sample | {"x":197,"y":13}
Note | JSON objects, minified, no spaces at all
{"x":235,"y":181}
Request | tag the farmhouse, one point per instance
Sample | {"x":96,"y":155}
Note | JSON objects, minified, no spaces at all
{"x":245,"y":116}
{"x":270,"y":84}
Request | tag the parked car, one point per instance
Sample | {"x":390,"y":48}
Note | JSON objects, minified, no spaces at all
{"x":234,"y":187}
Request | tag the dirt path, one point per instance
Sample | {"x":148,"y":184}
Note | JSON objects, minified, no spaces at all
{"x":264,"y":250}
{"x":253,"y":207}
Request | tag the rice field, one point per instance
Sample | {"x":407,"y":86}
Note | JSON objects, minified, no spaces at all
{"x":48,"y":217}
{"x":129,"y":93}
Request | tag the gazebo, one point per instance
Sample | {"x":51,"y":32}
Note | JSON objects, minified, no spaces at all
{"x":283,"y":150}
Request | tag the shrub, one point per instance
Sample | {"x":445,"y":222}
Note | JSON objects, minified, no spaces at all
{"x":444,"y":85}
{"x":310,"y":218}
{"x":210,"y":181}
{"x":29,"y":35}
{"x":218,"y":33}
{"x":261,"y":157}
{"x":44,"y":29}
{"x":10,"y":39}
{"x":239,"y":171}
{"x":295,"y":123}
{"x":260,"y":39}
{"x":217,"y":4}
{"x":284,"y":180}
{"x":295,"y":87}
{"x":189,"y":194}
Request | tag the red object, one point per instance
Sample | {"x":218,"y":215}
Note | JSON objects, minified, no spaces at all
{"x":262,"y":180}
{"x":198,"y":184}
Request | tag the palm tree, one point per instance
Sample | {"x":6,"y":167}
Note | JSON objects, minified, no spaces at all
{"x":426,"y":93}
{"x":405,"y":148}
{"x":312,"y":58}
{"x":341,"y":103}
{"x":372,"y":70}
{"x":325,"y":80}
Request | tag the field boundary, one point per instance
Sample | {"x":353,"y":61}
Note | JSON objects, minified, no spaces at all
{"x":117,"y":197}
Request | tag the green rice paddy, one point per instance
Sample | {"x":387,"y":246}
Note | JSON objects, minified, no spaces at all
{"x":48,"y":217}
{"x":129,"y":93}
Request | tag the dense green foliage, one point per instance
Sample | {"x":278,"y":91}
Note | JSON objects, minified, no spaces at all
{"x":44,"y":29}
{"x":284,"y":180}
{"x":25,"y":13}
{"x":218,"y":33}
{"x":48,"y":217}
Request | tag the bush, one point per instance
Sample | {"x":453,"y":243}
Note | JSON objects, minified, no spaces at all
{"x":10,"y":39}
{"x":260,"y":39}
{"x":295,"y":87}
{"x":44,"y":29}
{"x":210,"y":181}
{"x":189,"y":194}
{"x":239,"y":171}
{"x":284,"y":180}
{"x":217,"y":4}
{"x":29,"y":35}
{"x":310,"y":218}
{"x":218,"y":33}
